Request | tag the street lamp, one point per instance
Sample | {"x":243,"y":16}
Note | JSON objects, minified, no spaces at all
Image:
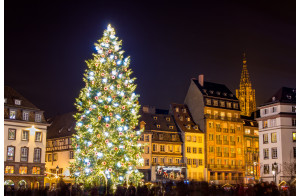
{"x":275,"y":165}
{"x":57,"y":169}
{"x":273,"y":172}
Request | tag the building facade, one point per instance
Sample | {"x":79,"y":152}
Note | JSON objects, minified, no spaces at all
{"x":216,"y":110}
{"x":59,"y":150}
{"x":25,"y":131}
{"x":277,"y":136}
{"x":245,"y":93}
{"x":251,"y":149}
{"x":164,"y":147}
{"x":193,"y":142}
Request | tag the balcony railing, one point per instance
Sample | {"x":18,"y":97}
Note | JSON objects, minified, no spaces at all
{"x":219,"y":142}
{"x":232,"y":155}
{"x":226,"y":154}
{"x":61,"y":147}
{"x":218,"y":129}
{"x":217,"y":117}
{"x":225,"y":130}
{"x":232,"y":142}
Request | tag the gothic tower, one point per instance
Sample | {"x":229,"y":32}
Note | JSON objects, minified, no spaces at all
{"x":246,"y":94}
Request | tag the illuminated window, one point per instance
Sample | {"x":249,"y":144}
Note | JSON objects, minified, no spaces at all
{"x":216,"y":103}
{"x":162,"y":148}
{"x":10,"y":153}
{"x":173,"y":137}
{"x":188,"y":119}
{"x":188,"y":126}
{"x":200,"y":139}
{"x":247,"y":131}
{"x":161,"y":136}
{"x":248,"y":143}
{"x":162,"y":160}
{"x":189,"y":161}
{"x":49,"y":157}
{"x":11,"y":134}
{"x":188,"y":138}
{"x":177,"y":109}
{"x":293,"y":108}
{"x":228,"y":104}
{"x":200,"y":162}
{"x":239,"y":151}
{"x":38,"y":136}
{"x":171,"y":127}
{"x":208,"y":111}
{"x":146,"y":162}
{"x":168,"y":118}
{"x":25,"y":115}
{"x":154,"y":160}
{"x":184,"y":110}
{"x":235,"y":105}
{"x":38,"y":117}
{"x":274,"y":137}
{"x":211,"y":137}
{"x":208,"y":101}
{"x":266,"y":111}
{"x":155,"y":117}
{"x":36,"y":170}
{"x":194,"y":138}
{"x":265,"y":124}
{"x":196,"y":127}
{"x":23,"y":170}
{"x":12,"y":114}
{"x":265,"y":138}
{"x":177,"y":161}
{"x":294,"y":136}
{"x":256,"y":144}
{"x":255,"y":132}
{"x":9,"y":169}
{"x":158,"y":126}
{"x":274,"y":109}
{"x":194,"y":161}
{"x":25,"y":135}
{"x":211,"y":149}
{"x":24,"y":154}
{"x":222,"y":103}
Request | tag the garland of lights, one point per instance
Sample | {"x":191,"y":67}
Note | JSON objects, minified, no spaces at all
{"x":105,"y":144}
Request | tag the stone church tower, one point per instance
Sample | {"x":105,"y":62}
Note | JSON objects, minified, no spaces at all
{"x":245,"y":93}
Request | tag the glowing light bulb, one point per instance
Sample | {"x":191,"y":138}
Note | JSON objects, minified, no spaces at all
{"x":111,"y":56}
{"x":119,"y":62}
{"x":119,"y":164}
{"x":109,"y":99}
{"x":112,"y":87}
{"x":106,"y":134}
{"x":90,"y":130}
{"x":118,"y":116}
{"x":113,"y":72}
{"x":109,"y":145}
{"x":86,"y":160}
{"x":117,"y":48}
{"x":102,"y":60}
{"x":121,"y":178}
{"x":106,"y":119}
{"x":120,"y":129}
{"x":125,"y":128}
{"x":104,"y":80}
{"x":79,"y":124}
{"x":99,"y":154}
{"x":88,"y":94}
{"x":120,"y":76}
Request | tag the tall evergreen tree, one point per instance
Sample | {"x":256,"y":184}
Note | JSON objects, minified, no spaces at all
{"x":105,"y":145}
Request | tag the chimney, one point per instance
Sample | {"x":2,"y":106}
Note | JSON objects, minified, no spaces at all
{"x":201,"y":79}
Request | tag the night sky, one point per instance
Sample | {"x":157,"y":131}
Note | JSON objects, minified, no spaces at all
{"x":47,"y":42}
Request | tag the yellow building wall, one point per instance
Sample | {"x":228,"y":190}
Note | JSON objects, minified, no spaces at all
{"x":195,"y":159}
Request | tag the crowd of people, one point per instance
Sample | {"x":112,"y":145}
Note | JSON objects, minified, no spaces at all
{"x":161,"y":189}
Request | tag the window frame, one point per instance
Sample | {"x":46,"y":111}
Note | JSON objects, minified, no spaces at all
{"x":41,"y":136}
{"x":13,"y":169}
{"x":38,"y":117}
{"x":38,"y":170}
{"x":15,"y":133}
{"x":21,"y":153}
{"x":71,"y":154}
{"x":274,"y":141}
{"x":14,"y":155}
{"x":24,"y":115}
{"x":23,"y":135}
{"x":35,"y":160}
{"x":25,"y":167}
{"x":272,"y":151}
{"x":15,"y":114}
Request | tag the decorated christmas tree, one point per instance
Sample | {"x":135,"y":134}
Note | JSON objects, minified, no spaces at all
{"x":105,"y":145}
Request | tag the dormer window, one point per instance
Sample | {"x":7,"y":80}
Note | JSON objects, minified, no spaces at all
{"x":17,"y":102}
{"x":155,"y":117}
{"x":235,"y":106}
{"x":273,"y":98}
{"x":222,"y":103}
{"x":289,"y":96}
{"x":5,"y":100}
{"x":225,"y":94}
{"x":25,"y":115}
{"x":204,"y":90}
{"x":38,"y":117}
{"x":168,"y":119}
{"x":229,"y":104}
{"x":188,"y":126}
{"x":176,"y":109}
{"x":196,"y":127}
{"x":158,"y":126}
{"x":208,"y":101}
{"x":184,"y":110}
{"x":188,"y":119}
{"x":218,"y":93}
{"x":216,"y":103}
{"x":171,"y":127}
{"x":231,"y":95}
{"x":211,"y":92}
{"x":180,"y":118}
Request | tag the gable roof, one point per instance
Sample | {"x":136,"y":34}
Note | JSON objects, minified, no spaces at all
{"x":61,"y":126}
{"x":11,"y":94}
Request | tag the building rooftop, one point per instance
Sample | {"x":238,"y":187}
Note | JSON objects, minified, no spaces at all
{"x":11,"y":95}
{"x":283,"y":95}
{"x":215,"y":90}
{"x":61,"y":126}
{"x":183,"y":118}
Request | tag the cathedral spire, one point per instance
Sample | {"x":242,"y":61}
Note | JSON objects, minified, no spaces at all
{"x":246,"y":94}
